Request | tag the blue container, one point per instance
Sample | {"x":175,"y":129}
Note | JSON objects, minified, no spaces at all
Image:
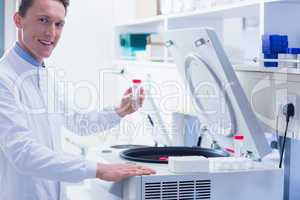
{"x":266,"y":44}
{"x":271,"y":56}
{"x":272,"y":44}
{"x":131,"y":43}
{"x":284,"y":43}
{"x":293,"y":51}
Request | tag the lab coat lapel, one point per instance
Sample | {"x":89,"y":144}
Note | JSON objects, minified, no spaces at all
{"x":33,"y":97}
{"x":47,"y":88}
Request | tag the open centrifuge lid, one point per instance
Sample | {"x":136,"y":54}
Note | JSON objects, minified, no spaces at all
{"x":218,"y":96}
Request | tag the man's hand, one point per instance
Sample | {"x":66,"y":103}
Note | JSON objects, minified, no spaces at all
{"x":126,"y":106}
{"x":119,"y":172}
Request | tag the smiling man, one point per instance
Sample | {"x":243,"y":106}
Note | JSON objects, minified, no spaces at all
{"x":40,"y":24}
{"x":32,"y":164}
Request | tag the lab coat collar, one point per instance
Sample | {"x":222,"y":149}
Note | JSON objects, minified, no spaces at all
{"x":19,"y":64}
{"x":25,"y":55}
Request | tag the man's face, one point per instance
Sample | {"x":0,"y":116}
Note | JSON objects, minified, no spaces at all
{"x":41,"y":27}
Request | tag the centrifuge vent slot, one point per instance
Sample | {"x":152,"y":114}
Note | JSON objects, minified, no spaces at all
{"x":178,"y":190}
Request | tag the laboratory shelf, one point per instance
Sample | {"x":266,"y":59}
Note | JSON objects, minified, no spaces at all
{"x":151,"y":59}
{"x":153,"y":20}
{"x":239,"y":67}
{"x":237,"y":9}
{"x":275,"y":70}
{"x":239,"y":25}
{"x":150,"y":25}
{"x":152,"y":64}
{"x":226,"y":11}
{"x":249,"y":68}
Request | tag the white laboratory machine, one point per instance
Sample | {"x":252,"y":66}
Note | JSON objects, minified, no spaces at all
{"x":206,"y":69}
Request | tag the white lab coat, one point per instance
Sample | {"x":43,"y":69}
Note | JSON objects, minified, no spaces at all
{"x":32,"y":164}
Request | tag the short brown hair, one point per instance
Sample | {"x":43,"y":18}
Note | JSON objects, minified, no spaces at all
{"x":26,"y":4}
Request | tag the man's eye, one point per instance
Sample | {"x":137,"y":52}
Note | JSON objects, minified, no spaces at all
{"x":43,"y":20}
{"x":60,"y":24}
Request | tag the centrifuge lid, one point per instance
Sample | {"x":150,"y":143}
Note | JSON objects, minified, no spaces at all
{"x":218,"y":96}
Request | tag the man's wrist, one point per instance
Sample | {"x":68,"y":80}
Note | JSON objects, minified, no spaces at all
{"x":120,"y":112}
{"x":99,"y":172}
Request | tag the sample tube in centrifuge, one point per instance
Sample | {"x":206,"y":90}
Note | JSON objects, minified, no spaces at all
{"x":238,"y":146}
{"x":136,"y":87}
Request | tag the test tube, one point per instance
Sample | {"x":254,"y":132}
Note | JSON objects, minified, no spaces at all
{"x":136,"y":87}
{"x":238,"y":145}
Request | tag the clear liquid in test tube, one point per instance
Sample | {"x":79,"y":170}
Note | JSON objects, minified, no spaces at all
{"x":136,"y":90}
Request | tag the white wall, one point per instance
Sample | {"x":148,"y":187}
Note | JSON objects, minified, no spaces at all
{"x":85,"y":48}
{"x":124,"y":11}
{"x":86,"y":45}
{"x":9,"y":26}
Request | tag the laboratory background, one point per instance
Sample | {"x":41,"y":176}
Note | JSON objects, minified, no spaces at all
{"x":253,"y":45}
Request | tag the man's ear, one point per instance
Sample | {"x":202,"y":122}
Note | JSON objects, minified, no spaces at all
{"x":18,"y":20}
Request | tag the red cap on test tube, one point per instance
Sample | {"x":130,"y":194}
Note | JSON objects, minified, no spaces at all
{"x":239,"y":137}
{"x":137,"y":81}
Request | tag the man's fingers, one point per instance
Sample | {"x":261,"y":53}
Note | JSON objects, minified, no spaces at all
{"x":130,"y":173}
{"x":128,"y":91}
{"x":142,"y":97}
{"x":120,"y":172}
{"x":144,"y":168}
{"x":127,"y":96}
{"x":138,"y":173}
{"x":139,"y":170}
{"x":142,"y":91}
{"x":126,"y":106}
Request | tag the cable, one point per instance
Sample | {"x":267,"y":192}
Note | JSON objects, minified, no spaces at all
{"x":288,"y":111}
{"x":283,"y":145}
{"x":277,"y":135}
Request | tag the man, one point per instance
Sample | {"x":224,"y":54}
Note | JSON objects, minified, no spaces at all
{"x":32,"y":165}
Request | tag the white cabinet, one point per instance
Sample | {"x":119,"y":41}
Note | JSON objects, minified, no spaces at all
{"x":239,"y":25}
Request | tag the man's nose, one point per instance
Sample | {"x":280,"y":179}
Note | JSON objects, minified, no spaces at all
{"x":51,"y":30}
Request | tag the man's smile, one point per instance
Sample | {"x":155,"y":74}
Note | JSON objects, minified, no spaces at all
{"x":46,"y":42}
